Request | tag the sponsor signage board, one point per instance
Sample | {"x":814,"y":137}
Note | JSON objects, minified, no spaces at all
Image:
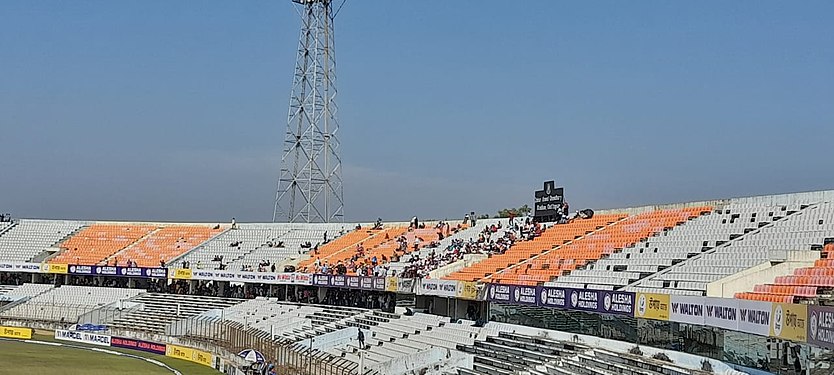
{"x":141,"y":345}
{"x":20,"y":267}
{"x":440,"y":288}
{"x":789,"y":322}
{"x":82,"y":337}
{"x":721,"y":313}
{"x":687,"y":309}
{"x":16,"y":332}
{"x":143,"y":272}
{"x":821,"y":326}
{"x":189,"y":354}
{"x":652,"y":306}
{"x":754,"y":317}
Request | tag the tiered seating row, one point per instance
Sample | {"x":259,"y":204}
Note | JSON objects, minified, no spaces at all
{"x":604,"y":242}
{"x":553,"y":236}
{"x":67,"y":303}
{"x":97,"y":242}
{"x":29,"y":238}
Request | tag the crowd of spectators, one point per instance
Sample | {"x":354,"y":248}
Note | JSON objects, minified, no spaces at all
{"x":491,"y":240}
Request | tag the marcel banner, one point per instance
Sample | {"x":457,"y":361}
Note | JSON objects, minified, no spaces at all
{"x":16,"y":332}
{"x":789,"y":322}
{"x":652,"y":306}
{"x":191,"y":355}
{"x":467,"y":290}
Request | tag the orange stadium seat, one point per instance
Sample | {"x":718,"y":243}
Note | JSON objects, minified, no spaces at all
{"x":166,"y":244}
{"x":556,"y":235}
{"x":603,"y":242}
{"x":98,"y":242}
{"x":346,"y":242}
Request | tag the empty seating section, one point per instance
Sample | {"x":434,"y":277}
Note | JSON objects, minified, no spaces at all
{"x":29,"y":238}
{"x":97,"y":242}
{"x":165,"y":244}
{"x":297,"y":235}
{"x":768,"y":229}
{"x":553,"y":236}
{"x":512,"y":353}
{"x":67,"y":303}
{"x":154,"y":312}
{"x":670,"y":247}
{"x":9,"y":293}
{"x":591,"y":247}
{"x":234,"y":244}
{"x":387,"y":336}
{"x":806,"y":282}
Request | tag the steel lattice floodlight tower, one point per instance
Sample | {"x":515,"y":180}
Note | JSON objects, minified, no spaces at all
{"x":310,"y":182}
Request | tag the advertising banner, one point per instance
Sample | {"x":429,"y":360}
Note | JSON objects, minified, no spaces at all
{"x":20,"y":267}
{"x":82,"y":337}
{"x":294,"y":278}
{"x":789,"y":321}
{"x":353,"y":282}
{"x":687,"y":309}
{"x":584,"y":300}
{"x":145,"y":346}
{"x":54,"y":268}
{"x":366,"y":283}
{"x":338,"y":281}
{"x":405,"y":285}
{"x":499,"y":293}
{"x":754,"y":317}
{"x":377,"y":283}
{"x":321,"y":280}
{"x":721,"y":312}
{"x":468,"y":290}
{"x":157,"y":273}
{"x":524,"y":295}
{"x":189,"y":354}
{"x":16,"y":332}
{"x":440,"y":288}
{"x":390,"y":284}
{"x":553,"y":297}
{"x":181,"y":274}
{"x":821,"y":326}
{"x":620,"y":303}
{"x":652,"y":306}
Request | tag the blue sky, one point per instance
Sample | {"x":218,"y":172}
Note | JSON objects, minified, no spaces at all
{"x":175,"y":110}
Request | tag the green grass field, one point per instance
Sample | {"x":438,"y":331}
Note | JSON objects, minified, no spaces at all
{"x":29,"y":358}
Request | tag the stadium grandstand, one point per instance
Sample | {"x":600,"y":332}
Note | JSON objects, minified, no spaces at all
{"x":727,"y":286}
